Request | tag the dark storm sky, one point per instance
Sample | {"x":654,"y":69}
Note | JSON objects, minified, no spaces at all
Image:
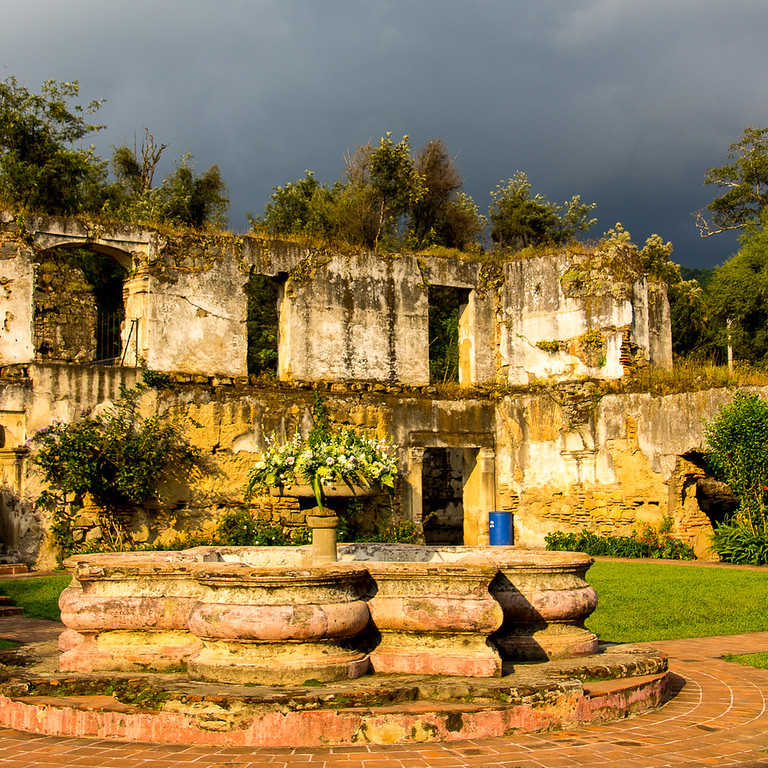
{"x":625,"y":102}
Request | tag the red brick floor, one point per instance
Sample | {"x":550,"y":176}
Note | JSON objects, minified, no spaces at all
{"x":717,"y":717}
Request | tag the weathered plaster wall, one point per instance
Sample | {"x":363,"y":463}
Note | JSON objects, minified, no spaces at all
{"x":566,"y":319}
{"x":562,"y":459}
{"x":608,"y":465}
{"x":554,"y":317}
{"x":17,"y":286}
{"x":195,"y":313}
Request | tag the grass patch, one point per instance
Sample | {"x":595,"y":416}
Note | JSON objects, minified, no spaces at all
{"x":759,"y":660}
{"x":648,"y":601}
{"x":39,"y":597}
{"x":6,"y":644}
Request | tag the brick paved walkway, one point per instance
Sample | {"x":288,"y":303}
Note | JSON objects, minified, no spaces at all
{"x":718,"y":717}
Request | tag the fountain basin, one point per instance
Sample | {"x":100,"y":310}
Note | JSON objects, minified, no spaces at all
{"x":278,"y":626}
{"x":263,"y":615}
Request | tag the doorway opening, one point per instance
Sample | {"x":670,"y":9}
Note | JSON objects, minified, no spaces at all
{"x":442,"y":496}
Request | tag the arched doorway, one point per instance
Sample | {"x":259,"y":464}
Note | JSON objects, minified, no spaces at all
{"x":79,"y":305}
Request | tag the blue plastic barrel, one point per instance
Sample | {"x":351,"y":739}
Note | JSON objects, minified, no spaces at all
{"x":500,"y":529}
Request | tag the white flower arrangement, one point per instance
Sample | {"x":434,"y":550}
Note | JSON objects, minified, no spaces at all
{"x":341,"y":457}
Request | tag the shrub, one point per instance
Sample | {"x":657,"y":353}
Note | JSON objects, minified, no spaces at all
{"x":119,"y":456}
{"x":647,"y":543}
{"x":736,"y":543}
{"x":737,"y":453}
{"x":239,"y":528}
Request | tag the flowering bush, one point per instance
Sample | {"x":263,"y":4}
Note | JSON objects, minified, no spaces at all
{"x":327,"y":457}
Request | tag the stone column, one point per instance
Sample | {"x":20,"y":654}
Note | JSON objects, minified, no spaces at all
{"x":323,"y":522}
{"x":479,"y":494}
{"x":486,"y":464}
{"x":413,"y":491}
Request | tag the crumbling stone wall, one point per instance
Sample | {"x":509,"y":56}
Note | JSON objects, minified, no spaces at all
{"x":564,"y":459}
{"x":349,"y":317}
{"x":65,"y":314}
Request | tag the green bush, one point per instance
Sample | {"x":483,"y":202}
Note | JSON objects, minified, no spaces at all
{"x":646,"y":543}
{"x":737,"y":451}
{"x":239,"y":528}
{"x":736,"y":543}
{"x":737,"y":454}
{"x":120,"y":457}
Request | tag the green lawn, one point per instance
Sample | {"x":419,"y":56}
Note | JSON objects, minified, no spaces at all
{"x":759,"y":660}
{"x":39,"y":597}
{"x":649,"y":601}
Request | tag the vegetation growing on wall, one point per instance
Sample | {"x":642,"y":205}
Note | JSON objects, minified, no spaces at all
{"x":119,"y":456}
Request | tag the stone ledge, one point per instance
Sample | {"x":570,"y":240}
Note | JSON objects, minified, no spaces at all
{"x":391,"y":709}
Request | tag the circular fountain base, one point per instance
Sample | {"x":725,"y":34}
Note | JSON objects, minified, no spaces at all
{"x":373,"y":709}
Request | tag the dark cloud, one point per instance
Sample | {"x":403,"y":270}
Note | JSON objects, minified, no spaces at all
{"x":626,"y":102}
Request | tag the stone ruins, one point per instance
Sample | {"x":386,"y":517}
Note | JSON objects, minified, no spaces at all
{"x":528,"y":426}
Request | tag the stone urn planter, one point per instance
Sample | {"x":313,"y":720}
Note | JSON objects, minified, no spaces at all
{"x":545,"y":599}
{"x":331,"y":490}
{"x":128,"y":612}
{"x":435,"y":618}
{"x":278,"y":626}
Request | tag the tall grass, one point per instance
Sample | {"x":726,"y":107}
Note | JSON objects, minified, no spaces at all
{"x":689,"y":376}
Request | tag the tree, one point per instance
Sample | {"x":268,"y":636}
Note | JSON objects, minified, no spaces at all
{"x":41,"y":166}
{"x":395,"y":180}
{"x":519,"y":220}
{"x":194,"y":200}
{"x":304,"y":206}
{"x":135,"y":168}
{"x":745,"y":181}
{"x":442,"y":215}
{"x":738,"y":292}
{"x":441,"y":180}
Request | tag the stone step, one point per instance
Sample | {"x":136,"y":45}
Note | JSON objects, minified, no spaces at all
{"x":13,"y":569}
{"x":7,"y":608}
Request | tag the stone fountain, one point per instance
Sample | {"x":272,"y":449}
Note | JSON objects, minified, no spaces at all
{"x":390,"y":643}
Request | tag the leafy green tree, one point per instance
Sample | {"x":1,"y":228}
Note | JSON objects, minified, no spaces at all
{"x":42,"y":165}
{"x":745,"y":181}
{"x":395,"y":180}
{"x":519,"y":220}
{"x":692,"y":332}
{"x":737,"y":292}
{"x":192,"y":199}
{"x":184,"y":197}
{"x":304,"y":206}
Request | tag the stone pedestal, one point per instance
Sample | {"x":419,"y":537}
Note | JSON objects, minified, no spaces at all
{"x":435,"y":618}
{"x":323,"y":522}
{"x":545,"y":600}
{"x":278,"y":626}
{"x":127,"y":612}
